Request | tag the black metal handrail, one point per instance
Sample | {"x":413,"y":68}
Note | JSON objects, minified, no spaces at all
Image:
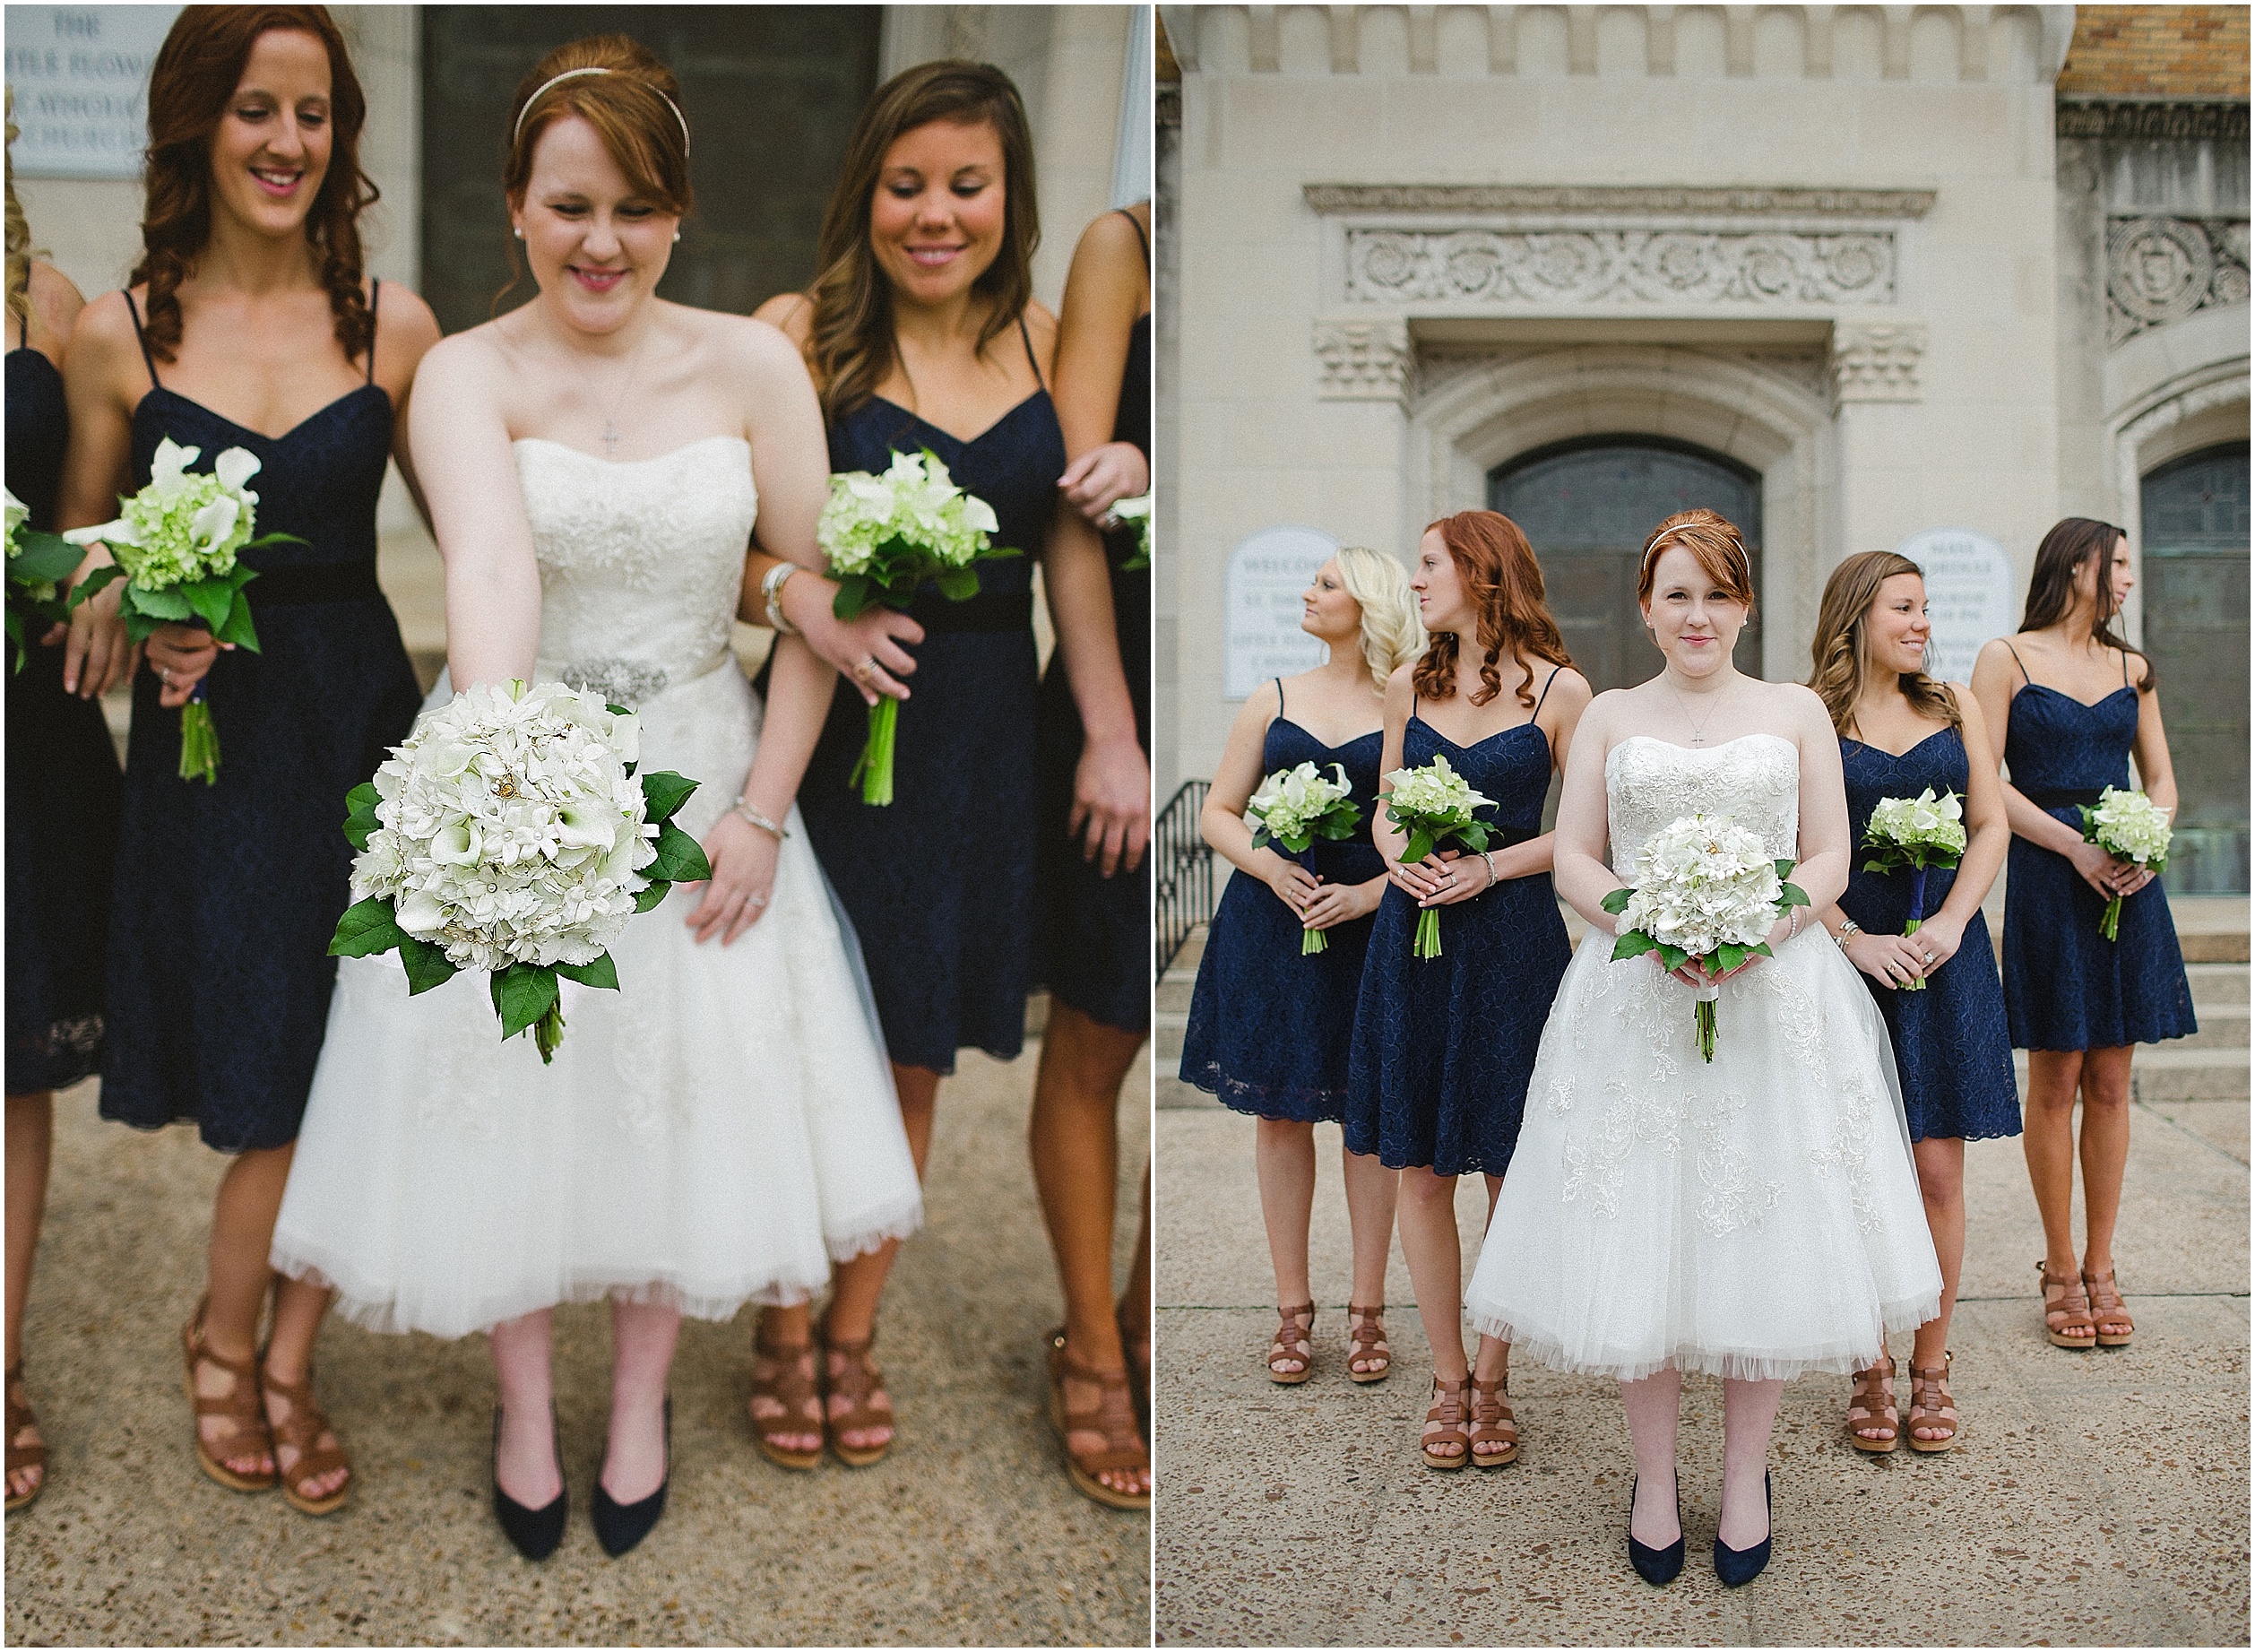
{"x":1183,"y":880}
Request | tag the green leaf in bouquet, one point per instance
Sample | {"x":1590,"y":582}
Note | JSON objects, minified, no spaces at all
{"x":1729,"y":955}
{"x":650,"y":896}
{"x":359,"y":819}
{"x":212,"y":599}
{"x":1674,"y":957}
{"x":42,"y":557}
{"x":854,"y":594}
{"x":522,"y":995}
{"x":679,"y":860}
{"x":1474,"y":836}
{"x":602,"y":973}
{"x":368,"y":928}
{"x":237,"y":627}
{"x":1617,"y":901}
{"x":1634,"y":944}
{"x":268,"y":542}
{"x":1421,"y":845}
{"x":103,"y":576}
{"x":663,"y":794}
{"x":957,"y":584}
{"x":618,"y":710}
{"x":1792,"y":894}
{"x":427,"y":964}
{"x":995,"y":553}
{"x":170,"y":603}
{"x":15,"y":635}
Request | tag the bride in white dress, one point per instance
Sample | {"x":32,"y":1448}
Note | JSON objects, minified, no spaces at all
{"x":722,"y":1127}
{"x":1754,"y":1218}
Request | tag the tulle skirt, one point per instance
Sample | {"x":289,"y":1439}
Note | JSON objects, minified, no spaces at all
{"x":1754,"y":1218}
{"x":716,"y":1132}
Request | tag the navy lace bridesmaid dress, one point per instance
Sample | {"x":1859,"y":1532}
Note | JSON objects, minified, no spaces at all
{"x":1443,"y":1047}
{"x":940,"y":883}
{"x":2066,"y":986}
{"x":227,"y":896}
{"x":1949,"y":1039}
{"x":1269,"y":1027}
{"x":62,"y":792}
{"x":1092,"y":933}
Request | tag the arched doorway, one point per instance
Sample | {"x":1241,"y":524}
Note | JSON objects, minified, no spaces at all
{"x":2193,"y":526}
{"x":1587,"y":506}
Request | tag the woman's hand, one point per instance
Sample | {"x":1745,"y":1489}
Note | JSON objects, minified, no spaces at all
{"x":1891,"y":960}
{"x":181,"y":655}
{"x":867,"y":651}
{"x":1111,"y":805}
{"x":1341,"y":902}
{"x":1940,"y":936}
{"x":2132,"y":877}
{"x":96,"y":654}
{"x":1103,"y":477}
{"x":743,"y":879}
{"x":1433,"y":881}
{"x":2104,"y":873}
{"x":1294,"y":885}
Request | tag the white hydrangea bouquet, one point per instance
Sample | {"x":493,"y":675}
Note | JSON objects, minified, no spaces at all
{"x":1294,"y":807}
{"x":510,"y":834}
{"x":885,"y":535}
{"x":2130,"y":826}
{"x":38,"y":563}
{"x":1705,"y":892}
{"x":1137,"y":510}
{"x":1434,"y":804}
{"x":176,"y":544}
{"x":1917,"y":832}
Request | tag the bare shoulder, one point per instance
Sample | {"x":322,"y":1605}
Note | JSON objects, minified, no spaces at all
{"x":755,"y":343}
{"x":1112,"y":235}
{"x":55,"y":301}
{"x":401,"y":310}
{"x":105,"y":347}
{"x":473,"y":364}
{"x":1401,"y":684}
{"x":2138,"y":671}
{"x":1261,"y":707}
{"x":791,"y":313}
{"x":1800,"y":706}
{"x":1571,"y":689}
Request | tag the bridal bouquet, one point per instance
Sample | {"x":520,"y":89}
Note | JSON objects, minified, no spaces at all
{"x":38,"y":563}
{"x":1434,"y":804}
{"x":885,"y":536}
{"x":176,"y":543}
{"x":510,"y":834}
{"x":2129,"y":827}
{"x":1916,"y":833}
{"x":1137,"y":510}
{"x":1295,"y":807}
{"x":1705,"y":892}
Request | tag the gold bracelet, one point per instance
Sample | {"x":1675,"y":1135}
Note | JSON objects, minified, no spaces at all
{"x":752,"y":816}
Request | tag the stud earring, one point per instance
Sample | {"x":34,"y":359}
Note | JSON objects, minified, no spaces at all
{"x":676,"y":235}
{"x":519,"y":234}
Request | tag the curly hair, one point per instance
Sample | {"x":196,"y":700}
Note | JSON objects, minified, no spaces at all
{"x":1504,"y":584}
{"x":196,"y":73}
{"x":2072,"y":541}
{"x":19,"y":234}
{"x":1840,"y":652}
{"x":1391,"y":631}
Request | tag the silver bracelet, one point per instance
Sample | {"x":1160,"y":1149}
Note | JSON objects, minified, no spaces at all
{"x":1792,"y":926}
{"x":771,"y":588}
{"x":1489,"y":855}
{"x":1848,"y":926}
{"x":754,"y":817}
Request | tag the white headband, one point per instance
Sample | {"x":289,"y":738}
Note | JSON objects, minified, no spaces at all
{"x":572,"y":74}
{"x":1745,"y":555}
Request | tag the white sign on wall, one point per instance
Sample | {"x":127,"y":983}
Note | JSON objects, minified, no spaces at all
{"x":1267,"y":574}
{"x":1970,"y":595}
{"x":81,"y":79}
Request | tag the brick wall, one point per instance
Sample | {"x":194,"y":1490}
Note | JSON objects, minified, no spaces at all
{"x":2157,"y":51}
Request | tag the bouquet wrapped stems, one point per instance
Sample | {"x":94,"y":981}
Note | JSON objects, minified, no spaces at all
{"x":2130,"y":826}
{"x":1434,"y":805}
{"x":873,"y":769}
{"x":1291,"y":809}
{"x":1913,"y":834}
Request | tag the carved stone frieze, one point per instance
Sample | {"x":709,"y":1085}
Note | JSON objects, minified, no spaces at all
{"x":2134,"y":118}
{"x":1877,"y":360}
{"x":1362,"y":361}
{"x":1625,"y":266}
{"x":2160,"y":270}
{"x":1614,"y":200}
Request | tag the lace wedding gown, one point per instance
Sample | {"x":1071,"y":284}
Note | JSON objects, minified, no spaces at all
{"x":715,"y":1132}
{"x":1754,"y":1218}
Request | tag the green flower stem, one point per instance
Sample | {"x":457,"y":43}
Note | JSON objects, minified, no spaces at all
{"x":2111,"y":921}
{"x":1428,"y":933}
{"x":1312,"y":942}
{"x":1705,"y":1013}
{"x":199,"y":743}
{"x":547,"y":1032}
{"x":873,"y":771}
{"x":1919,"y":985}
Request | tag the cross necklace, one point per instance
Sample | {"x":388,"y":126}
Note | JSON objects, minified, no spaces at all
{"x":611,"y":434}
{"x":1699,"y":724}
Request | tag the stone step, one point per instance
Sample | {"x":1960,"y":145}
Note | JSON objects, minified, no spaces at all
{"x":2211,"y":929}
{"x":2172,"y":1072}
{"x":1167,"y":1030}
{"x":2220,"y":985}
{"x":1174,"y":991}
{"x":1173,"y":1094}
{"x":2222,"y":1027}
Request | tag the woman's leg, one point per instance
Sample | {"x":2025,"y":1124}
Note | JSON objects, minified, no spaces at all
{"x":300,"y":1308}
{"x":1651,"y":1406}
{"x":2104,"y":1148}
{"x":1749,"y":1410}
{"x":1372,"y":1192}
{"x":242,"y":1233}
{"x":2048,"y":1141}
{"x":1073,"y":1138}
{"x":30,"y":1147}
{"x":1428,"y":1220}
{"x":1285,"y":1166}
{"x":524,"y":1463}
{"x":1941,"y":1184}
{"x":643,"y":1335}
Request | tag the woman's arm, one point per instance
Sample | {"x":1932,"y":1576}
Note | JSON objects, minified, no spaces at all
{"x":1222,"y":821}
{"x":406,"y":333}
{"x":1988,"y":832}
{"x":103,"y":380}
{"x":2156,"y":771}
{"x":1106,"y":289}
{"x":1111,"y":783}
{"x":1578,"y":841}
{"x":1996,"y":678}
{"x":1821,"y":872}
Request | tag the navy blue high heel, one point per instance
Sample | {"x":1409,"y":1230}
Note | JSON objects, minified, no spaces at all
{"x":1657,"y":1566}
{"x":1738,"y":1566}
{"x":619,"y":1526}
{"x":536,"y":1532}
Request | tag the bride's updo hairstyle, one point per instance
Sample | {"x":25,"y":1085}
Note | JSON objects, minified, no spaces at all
{"x":1392,"y":634}
{"x":2072,"y":541}
{"x":1718,"y":546}
{"x":196,"y":73}
{"x":1839,"y":651}
{"x":1504,"y":584}
{"x":850,"y":346}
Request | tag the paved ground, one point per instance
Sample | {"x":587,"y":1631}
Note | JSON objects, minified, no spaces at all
{"x":968,"y":1534}
{"x":2099,"y":1498}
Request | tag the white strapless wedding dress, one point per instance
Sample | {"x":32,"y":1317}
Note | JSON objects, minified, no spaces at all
{"x":1754,"y":1218}
{"x":715,"y":1132}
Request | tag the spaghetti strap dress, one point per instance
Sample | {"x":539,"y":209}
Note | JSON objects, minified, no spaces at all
{"x":1951,"y":1048}
{"x":1092,"y":933}
{"x":1443,"y":1047}
{"x":940,"y":883}
{"x":2066,"y":986}
{"x":1269,"y":1028}
{"x":227,"y":896}
{"x":63,"y":796}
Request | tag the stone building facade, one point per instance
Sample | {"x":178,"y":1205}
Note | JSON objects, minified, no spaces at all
{"x":1860,"y":274}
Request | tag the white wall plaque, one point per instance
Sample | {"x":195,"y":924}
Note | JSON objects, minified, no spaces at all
{"x":80,"y":77}
{"x":1267,"y":573}
{"x":1971,"y":594}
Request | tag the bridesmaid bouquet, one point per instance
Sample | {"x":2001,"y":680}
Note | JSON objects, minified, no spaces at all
{"x":2129,"y":827}
{"x":38,"y":563}
{"x":1434,"y":804}
{"x":1295,"y":807}
{"x":1137,"y":510}
{"x":176,"y":543}
{"x":510,"y":834}
{"x":1916,"y":833}
{"x":1705,"y":892}
{"x":885,"y":536}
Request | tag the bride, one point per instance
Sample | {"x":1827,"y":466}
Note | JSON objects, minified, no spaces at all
{"x":722,"y":1127}
{"x":1754,"y":1218}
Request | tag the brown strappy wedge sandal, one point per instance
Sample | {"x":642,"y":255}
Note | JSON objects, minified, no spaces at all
{"x":20,"y":1458}
{"x":1366,"y":1341}
{"x":2107,"y":1308}
{"x":241,"y":1406}
{"x":1931,"y":1406}
{"x":1871,"y":1405}
{"x":855,"y":1381}
{"x":2067,"y":1313}
{"x":1492,"y":1423}
{"x":302,"y":1432}
{"x":1448,"y":1409}
{"x":1293,"y":1342}
{"x":1113,"y":1421}
{"x":784,"y":1373}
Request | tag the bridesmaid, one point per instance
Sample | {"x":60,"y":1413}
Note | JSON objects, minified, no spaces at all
{"x":63,"y":790}
{"x":921,"y":332}
{"x":248,"y":325}
{"x":1443,"y":1047}
{"x":1093,"y":906}
{"x":1269,"y":1028}
{"x":2075,"y":703}
{"x":1900,"y":734}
